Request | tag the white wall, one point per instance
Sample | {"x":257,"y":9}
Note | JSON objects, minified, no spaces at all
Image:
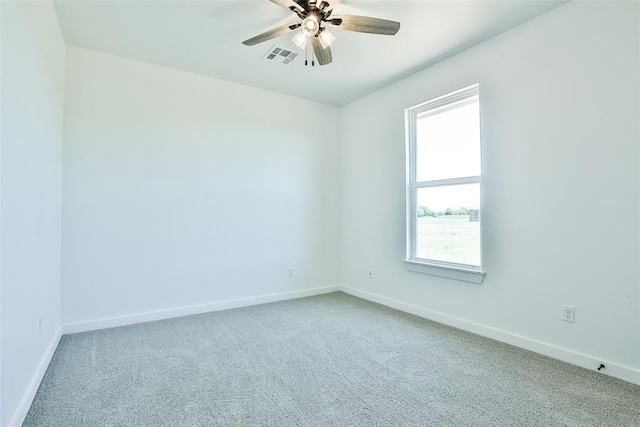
{"x":182,"y":190}
{"x":32,"y":105}
{"x":560,"y":108}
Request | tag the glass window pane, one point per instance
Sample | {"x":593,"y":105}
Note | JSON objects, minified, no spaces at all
{"x":448,"y":142}
{"x":448,"y":224}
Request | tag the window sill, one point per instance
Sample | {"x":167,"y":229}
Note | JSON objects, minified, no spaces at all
{"x":450,"y":272}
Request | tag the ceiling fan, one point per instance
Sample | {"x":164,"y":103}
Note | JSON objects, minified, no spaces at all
{"x":314,"y":14}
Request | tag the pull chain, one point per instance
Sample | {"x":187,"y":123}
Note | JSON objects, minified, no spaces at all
{"x":306,"y":58}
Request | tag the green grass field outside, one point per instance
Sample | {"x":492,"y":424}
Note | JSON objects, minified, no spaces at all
{"x":451,"y":238}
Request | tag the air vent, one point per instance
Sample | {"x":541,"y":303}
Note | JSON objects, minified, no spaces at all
{"x":280,"y":54}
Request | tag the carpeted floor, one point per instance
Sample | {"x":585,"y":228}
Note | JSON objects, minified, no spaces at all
{"x":330,"y":360}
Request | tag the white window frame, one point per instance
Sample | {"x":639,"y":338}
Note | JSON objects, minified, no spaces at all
{"x":465,"y":272}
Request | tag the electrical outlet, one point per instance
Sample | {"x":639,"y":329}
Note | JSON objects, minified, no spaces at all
{"x":370,"y":274}
{"x":290,"y":272}
{"x":568,"y":313}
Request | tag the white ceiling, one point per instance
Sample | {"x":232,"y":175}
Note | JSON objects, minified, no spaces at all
{"x":205,"y":37}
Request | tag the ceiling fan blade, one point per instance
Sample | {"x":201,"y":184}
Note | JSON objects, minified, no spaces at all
{"x":365,"y":24}
{"x":323,"y":55}
{"x":288,"y":4}
{"x":271,"y":34}
{"x":331,"y":4}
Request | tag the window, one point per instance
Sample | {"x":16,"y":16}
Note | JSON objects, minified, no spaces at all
{"x":443,"y":151}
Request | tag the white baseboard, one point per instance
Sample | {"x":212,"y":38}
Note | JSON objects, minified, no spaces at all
{"x":586,"y":361}
{"x":23,"y":408}
{"x":111,"y":322}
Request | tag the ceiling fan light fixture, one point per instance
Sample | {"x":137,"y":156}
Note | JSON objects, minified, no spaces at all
{"x":300,"y":39}
{"x":311,"y":25}
{"x":314,"y":15}
{"x":326,"y":38}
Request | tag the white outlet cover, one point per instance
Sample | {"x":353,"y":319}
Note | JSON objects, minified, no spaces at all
{"x":568,"y":313}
